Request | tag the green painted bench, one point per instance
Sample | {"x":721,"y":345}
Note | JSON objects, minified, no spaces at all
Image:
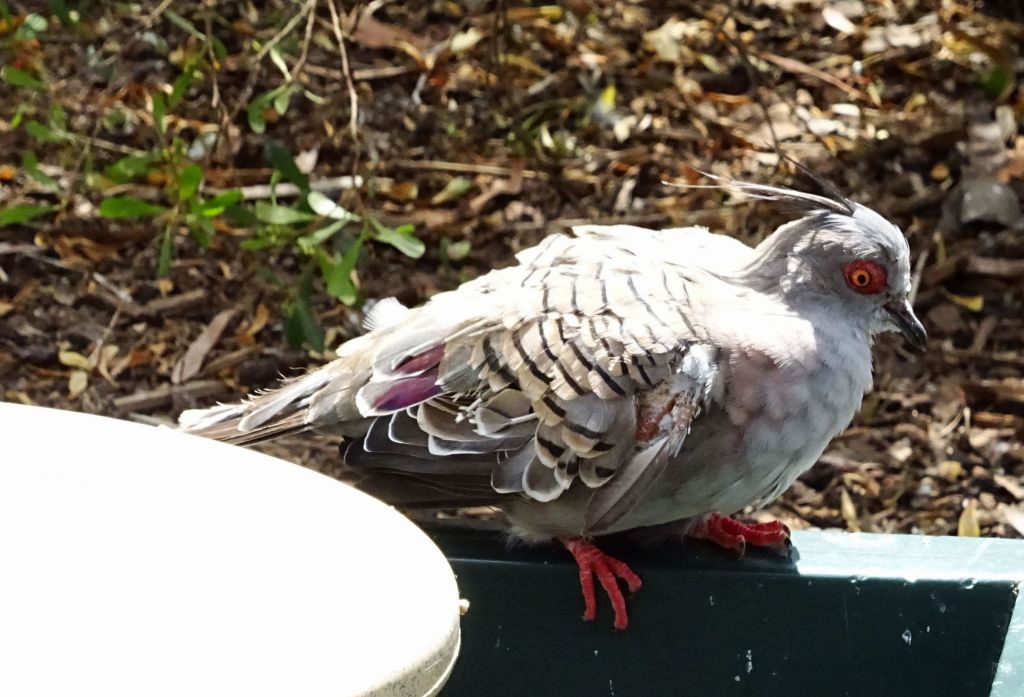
{"x":848,"y":615}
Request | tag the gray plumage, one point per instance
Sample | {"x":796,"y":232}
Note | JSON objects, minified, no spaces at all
{"x":613,"y":379}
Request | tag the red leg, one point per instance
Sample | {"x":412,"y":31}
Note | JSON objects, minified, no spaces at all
{"x":732,"y":534}
{"x":594,"y":562}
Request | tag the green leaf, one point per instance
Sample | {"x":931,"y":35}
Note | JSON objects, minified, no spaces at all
{"x":274,"y":214}
{"x":457,"y":251}
{"x":43,"y":133}
{"x":241,"y":216}
{"x":189,"y":179}
{"x":130,"y":167}
{"x":129,"y":207}
{"x":314,"y":97}
{"x":23,"y":214}
{"x":178,"y":89}
{"x":309,"y":243}
{"x":258,"y":243}
{"x":280,"y":158}
{"x":159,"y":111}
{"x":300,"y":326}
{"x":217,"y":205}
{"x":278,"y":60}
{"x":401,"y":238}
{"x":35,"y":23}
{"x":219,"y":49}
{"x":59,"y":119}
{"x":339,"y":276}
{"x":282,"y":100}
{"x":323,"y":206}
{"x":163,"y":264}
{"x":201,"y":230}
{"x":996,"y":82}
{"x":184,"y":24}
{"x":457,"y":186}
{"x":60,"y":8}
{"x":19,"y":113}
{"x":254,"y":112}
{"x":20,"y":78}
{"x":30,"y":163}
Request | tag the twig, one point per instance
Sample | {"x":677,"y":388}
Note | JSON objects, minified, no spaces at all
{"x":117,"y":292}
{"x":165,"y":394}
{"x":353,"y":98}
{"x":151,"y":18}
{"x":466,"y":167}
{"x":250,"y":83}
{"x":307,"y":8}
{"x":791,"y":65}
{"x":915,"y":281}
{"x":363,"y":74}
{"x":287,"y":189}
{"x":306,"y":41}
{"x":215,"y":74}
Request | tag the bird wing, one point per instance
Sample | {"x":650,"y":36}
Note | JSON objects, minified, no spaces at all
{"x":534,"y":377}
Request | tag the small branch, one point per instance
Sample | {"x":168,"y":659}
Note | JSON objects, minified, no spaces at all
{"x":353,"y":98}
{"x":153,"y":16}
{"x":307,"y":9}
{"x":469,"y":168}
{"x":243,"y":98}
{"x":306,"y":41}
{"x":287,"y":189}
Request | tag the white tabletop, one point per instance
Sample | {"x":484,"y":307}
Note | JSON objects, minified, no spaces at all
{"x":139,"y":561}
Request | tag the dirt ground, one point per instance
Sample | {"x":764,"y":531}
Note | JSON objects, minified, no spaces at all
{"x":487,"y":125}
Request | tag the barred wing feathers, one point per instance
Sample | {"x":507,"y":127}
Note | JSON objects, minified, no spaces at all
{"x":531,"y":379}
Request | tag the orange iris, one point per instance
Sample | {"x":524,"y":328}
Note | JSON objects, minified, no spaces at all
{"x":865,"y":276}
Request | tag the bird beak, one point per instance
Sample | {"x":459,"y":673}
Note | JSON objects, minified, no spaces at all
{"x":908,"y":324}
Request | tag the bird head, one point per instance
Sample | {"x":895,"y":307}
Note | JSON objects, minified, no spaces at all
{"x":839,"y":253}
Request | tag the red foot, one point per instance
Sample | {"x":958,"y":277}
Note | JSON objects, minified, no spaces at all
{"x":594,"y":562}
{"x":732,"y":534}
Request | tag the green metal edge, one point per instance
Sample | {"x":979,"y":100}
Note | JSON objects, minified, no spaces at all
{"x":908,"y":557}
{"x":1009,"y":680}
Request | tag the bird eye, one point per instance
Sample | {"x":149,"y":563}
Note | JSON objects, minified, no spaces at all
{"x":865,"y":276}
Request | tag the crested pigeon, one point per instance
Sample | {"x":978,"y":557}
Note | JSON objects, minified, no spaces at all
{"x":613,"y":380}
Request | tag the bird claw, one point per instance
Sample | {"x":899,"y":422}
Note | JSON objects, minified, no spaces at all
{"x":735,"y":535}
{"x":608,"y":570}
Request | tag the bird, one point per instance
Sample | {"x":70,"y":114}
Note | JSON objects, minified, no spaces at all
{"x":614,"y":379}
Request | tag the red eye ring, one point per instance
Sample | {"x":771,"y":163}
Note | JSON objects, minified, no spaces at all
{"x":866,"y":277}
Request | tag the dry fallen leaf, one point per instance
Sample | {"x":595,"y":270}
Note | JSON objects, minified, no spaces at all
{"x":107,"y":354}
{"x":77,"y":382}
{"x":466,"y":40}
{"x":838,"y":21}
{"x":192,"y":361}
{"x":372,"y":33}
{"x":398,"y":191}
{"x":968,"y":525}
{"x":1014,"y":515}
{"x":668,"y":40}
{"x":259,"y":321}
{"x":950,"y":470}
{"x":974,"y":303}
{"x":20,"y":397}
{"x":73,"y":359}
{"x":1012,"y":485}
